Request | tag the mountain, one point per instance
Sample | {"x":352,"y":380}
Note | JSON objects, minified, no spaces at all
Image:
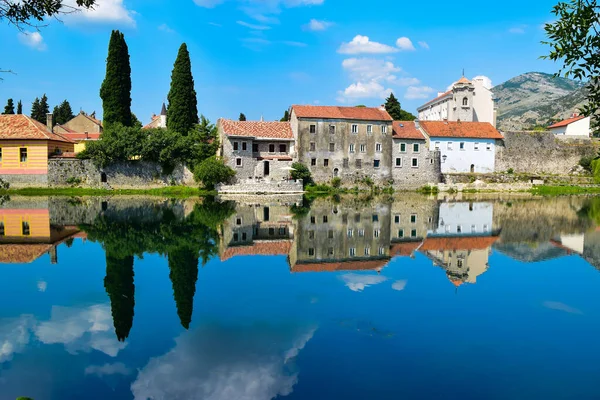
{"x":536,"y":98}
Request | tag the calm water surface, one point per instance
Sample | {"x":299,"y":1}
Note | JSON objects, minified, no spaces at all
{"x":272,"y":298}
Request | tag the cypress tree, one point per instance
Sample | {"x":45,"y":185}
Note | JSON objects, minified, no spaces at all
{"x":286,"y":116}
{"x":183,"y":263}
{"x":39,"y":108}
{"x":182,"y":113}
{"x":242,"y":117}
{"x":115,"y":91}
{"x":10,"y":107}
{"x":393,"y":107}
{"x":63,"y":113}
{"x":19,"y":107}
{"x":120,"y":289}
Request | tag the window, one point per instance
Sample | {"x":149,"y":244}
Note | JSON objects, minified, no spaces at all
{"x":357,"y":218}
{"x":354,"y":128}
{"x":330,"y":251}
{"x":381,"y":251}
{"x":378,"y":147}
{"x":352,"y":252}
{"x":413,"y":233}
{"x":332,"y":129}
{"x":313,"y":220}
{"x":437,"y":145}
{"x":473,"y":228}
{"x":476,"y":146}
{"x":449,"y":145}
{"x":236,"y":146}
{"x":326,"y":162}
{"x":376,"y":233}
{"x":375,"y":218}
{"x":236,"y":237}
{"x":331,"y":146}
{"x":465,"y":101}
{"x":25,"y":228}
{"x":271,"y":231}
{"x":345,"y":163}
{"x":359,"y":163}
{"x":23,"y":153}
{"x":266,"y":213}
{"x":401,"y":233}
{"x":238,"y":162}
{"x":0,"y":154}
{"x":325,"y":220}
{"x":271,"y":148}
{"x":244,"y":236}
{"x":350,"y":233}
{"x":313,"y":162}
{"x":402,"y":147}
{"x":244,"y":146}
{"x":415,"y":147}
{"x":376,"y":163}
{"x":312,"y":146}
{"x":330,"y":234}
{"x":255,"y":147}
{"x":413,"y":218}
{"x":459,"y":263}
{"x":396,"y":219}
{"x":351,"y":148}
{"x":238,"y":221}
{"x":415,"y":162}
{"x":283,"y":148}
{"x":461,"y":145}
{"x":488,"y":146}
{"x":369,"y":129}
{"x":398,"y":162}
{"x":363,"y":148}
{"x":384,"y":129}
{"x":361,"y":233}
{"x":282,"y":230}
{"x":485,"y":228}
{"x":459,"y":229}
{"x":313,"y":129}
{"x":367,"y":251}
{"x":311,"y":252}
{"x":1,"y":228}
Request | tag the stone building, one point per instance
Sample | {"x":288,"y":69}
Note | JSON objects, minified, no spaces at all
{"x":352,"y":143}
{"x":413,"y":163}
{"x":257,"y":149}
{"x":412,"y":218}
{"x":468,"y":101}
{"x":158,"y":121}
{"x":81,"y":129}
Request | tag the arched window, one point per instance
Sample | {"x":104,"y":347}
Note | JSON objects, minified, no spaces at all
{"x":465,"y":101}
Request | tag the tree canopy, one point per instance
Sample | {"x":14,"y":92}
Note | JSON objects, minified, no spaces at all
{"x":242,"y":117}
{"x":33,"y":12}
{"x":9,"y":108}
{"x":182,"y":113}
{"x":286,"y":116}
{"x":393,"y":107}
{"x":39,"y":109}
{"x":574,"y":40}
{"x":63,"y":113}
{"x":213,"y":171}
{"x":19,"y":107}
{"x":115,"y":91}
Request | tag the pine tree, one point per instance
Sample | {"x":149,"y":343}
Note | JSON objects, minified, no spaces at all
{"x":19,"y":107}
{"x":10,"y":107}
{"x":392,"y":106}
{"x":37,"y":110}
{"x":242,"y":117}
{"x":286,"y":116}
{"x":182,"y":113}
{"x":63,"y":113}
{"x":44,"y":109}
{"x":116,"y":88}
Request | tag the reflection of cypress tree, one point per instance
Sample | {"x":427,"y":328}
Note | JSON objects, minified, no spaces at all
{"x":120,"y":289}
{"x":183,"y":264}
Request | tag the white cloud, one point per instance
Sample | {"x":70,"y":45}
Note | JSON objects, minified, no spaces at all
{"x":33,"y":40}
{"x":253,"y":26}
{"x":418,"y":92}
{"x":399,"y":285}
{"x":367,"y":69}
{"x":42,"y":286}
{"x":14,"y":336}
{"x":362,"y":44}
{"x":424,"y":45}
{"x":165,"y":28}
{"x":405,"y":44}
{"x":358,"y":282}
{"x":317,"y":25}
{"x":108,"y":369}
{"x":104,"y":11}
{"x":224,"y":362}
{"x":363,"y":90}
{"x":487,"y":82}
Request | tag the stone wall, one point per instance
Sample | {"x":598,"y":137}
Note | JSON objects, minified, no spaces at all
{"x":124,"y":175}
{"x":540,"y":152}
{"x":23,"y":181}
{"x":262,"y":186}
{"x":427,"y":171}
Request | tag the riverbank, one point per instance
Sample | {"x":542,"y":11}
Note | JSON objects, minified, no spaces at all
{"x":169,"y":191}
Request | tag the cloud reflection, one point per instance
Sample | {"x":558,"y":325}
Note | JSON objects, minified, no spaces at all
{"x":556,"y":305}
{"x":358,"y":282}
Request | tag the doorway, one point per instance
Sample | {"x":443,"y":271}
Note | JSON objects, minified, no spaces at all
{"x":103,"y":177}
{"x":472,"y":168}
{"x":266,"y":173}
{"x":336,"y":172}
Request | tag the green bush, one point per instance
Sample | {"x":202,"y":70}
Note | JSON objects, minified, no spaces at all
{"x":4,"y":185}
{"x":595,"y":164}
{"x":586,"y":163}
{"x":510,"y":171}
{"x":73,"y":181}
{"x":301,"y":171}
{"x":211,"y":172}
{"x":336,"y":182}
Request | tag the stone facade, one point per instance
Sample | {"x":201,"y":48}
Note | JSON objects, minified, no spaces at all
{"x":18,"y":181}
{"x":413,"y":164}
{"x":82,"y":122}
{"x":412,"y":217}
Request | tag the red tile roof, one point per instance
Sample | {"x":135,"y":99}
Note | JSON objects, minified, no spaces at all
{"x":407,"y":130}
{"x":341,"y":266}
{"x":463,"y":80}
{"x":335,"y":112}
{"x":19,"y":126}
{"x":453,"y":129}
{"x":404,"y":249}
{"x":262,"y":248}
{"x":441,"y":96}
{"x":458,"y":243}
{"x":567,"y":122}
{"x":77,"y":137}
{"x":22,"y":253}
{"x":257,"y":129}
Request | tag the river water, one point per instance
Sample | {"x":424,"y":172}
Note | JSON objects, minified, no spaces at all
{"x":260,"y":298}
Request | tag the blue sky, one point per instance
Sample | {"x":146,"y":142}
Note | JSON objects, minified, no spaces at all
{"x":261,"y":56}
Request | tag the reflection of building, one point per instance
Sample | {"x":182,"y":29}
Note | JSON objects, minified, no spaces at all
{"x":26,"y":235}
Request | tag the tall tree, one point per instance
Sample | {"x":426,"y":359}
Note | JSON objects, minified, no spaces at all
{"x":32,"y":13}
{"x":574,"y":40}
{"x":183,"y":264}
{"x":35,"y":108}
{"x":182,"y":113}
{"x":9,"y":108}
{"x":19,"y":107}
{"x":63,"y":113}
{"x":120,"y":289}
{"x":286,"y":116}
{"x":242,"y":117}
{"x":116,"y":88}
{"x":393,"y":107}
{"x":39,"y":109}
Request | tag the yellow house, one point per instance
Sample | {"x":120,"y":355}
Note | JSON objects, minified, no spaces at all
{"x":81,"y":129}
{"x":25,"y":146}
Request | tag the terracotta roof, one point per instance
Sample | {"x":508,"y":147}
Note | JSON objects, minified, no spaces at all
{"x":257,"y":129}
{"x":404,"y":249}
{"x":341,"y":266}
{"x":458,"y":243}
{"x":19,"y":126}
{"x":454,"y":129}
{"x":94,"y":120}
{"x":77,"y":136}
{"x":335,"y":112}
{"x":567,"y":122}
{"x":22,"y":253}
{"x":262,"y":248}
{"x":463,"y":80}
{"x":441,"y":96}
{"x":406,"y":130}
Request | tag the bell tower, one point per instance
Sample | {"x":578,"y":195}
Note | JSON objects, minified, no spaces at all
{"x":463,"y":92}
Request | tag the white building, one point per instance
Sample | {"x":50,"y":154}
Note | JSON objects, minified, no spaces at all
{"x":467,"y":100}
{"x":465,"y":147}
{"x":158,"y":121}
{"x":578,"y":126}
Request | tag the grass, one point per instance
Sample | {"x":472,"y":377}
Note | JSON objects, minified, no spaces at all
{"x":547,"y":190}
{"x":171,"y":191}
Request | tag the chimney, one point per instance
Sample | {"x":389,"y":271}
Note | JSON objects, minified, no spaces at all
{"x":49,"y":121}
{"x":417,"y":126}
{"x":53,"y":255}
{"x":87,"y":136}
